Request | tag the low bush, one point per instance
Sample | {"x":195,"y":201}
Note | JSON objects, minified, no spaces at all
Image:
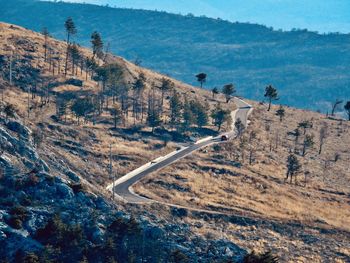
{"x":266,"y":257}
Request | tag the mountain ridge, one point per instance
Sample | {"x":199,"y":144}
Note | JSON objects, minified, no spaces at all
{"x":309,"y":65}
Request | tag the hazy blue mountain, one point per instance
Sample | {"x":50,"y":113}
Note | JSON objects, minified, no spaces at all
{"x":310,"y":70}
{"x":320,"y":15}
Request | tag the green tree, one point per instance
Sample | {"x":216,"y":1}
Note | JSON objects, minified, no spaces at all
{"x":116,"y":112}
{"x":138,"y":88}
{"x":9,"y":111}
{"x":308,"y":143}
{"x":280,"y":113}
{"x":70,"y":31}
{"x":347,"y":108}
{"x":97,"y":45}
{"x":82,"y":107}
{"x":201,"y":78}
{"x":102,"y":75}
{"x":175,"y":110}
{"x":215,"y":91}
{"x":293,"y":167}
{"x":271,"y":94}
{"x":61,"y":107}
{"x":200,"y":113}
{"x":166,"y":86}
{"x":228,"y":90}
{"x":188,"y":117}
{"x":153,"y":119}
{"x":239,"y":127}
{"x":75,"y":55}
{"x":220,"y":116}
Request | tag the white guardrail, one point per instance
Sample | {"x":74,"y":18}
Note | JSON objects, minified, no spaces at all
{"x":142,"y":168}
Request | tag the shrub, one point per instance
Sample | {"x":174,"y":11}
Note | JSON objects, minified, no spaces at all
{"x":15,"y":223}
{"x":178,"y":257}
{"x":266,"y":257}
{"x":77,"y":188}
{"x":179,"y":212}
{"x":19,"y":212}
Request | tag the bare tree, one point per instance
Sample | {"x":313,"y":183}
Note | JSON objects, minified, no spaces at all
{"x":335,"y":105}
{"x":252,"y":149}
{"x":308,"y":143}
{"x":322,"y":136}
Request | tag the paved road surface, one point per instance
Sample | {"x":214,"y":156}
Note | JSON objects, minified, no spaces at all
{"x":122,"y":186}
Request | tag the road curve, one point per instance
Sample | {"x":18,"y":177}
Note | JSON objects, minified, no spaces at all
{"x":123,"y":186}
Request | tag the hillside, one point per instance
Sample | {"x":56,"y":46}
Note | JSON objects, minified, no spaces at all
{"x":213,"y":206}
{"x":309,"y":69}
{"x":291,"y":216}
{"x":54,"y":166}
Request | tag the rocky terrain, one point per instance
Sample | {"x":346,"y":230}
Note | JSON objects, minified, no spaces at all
{"x":212,"y":207}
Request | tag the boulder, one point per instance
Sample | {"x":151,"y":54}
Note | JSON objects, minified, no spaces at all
{"x":64,"y":191}
{"x":73,"y":176}
{"x":19,"y":128}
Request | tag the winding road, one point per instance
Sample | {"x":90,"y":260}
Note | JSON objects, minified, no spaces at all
{"x":122,"y":187}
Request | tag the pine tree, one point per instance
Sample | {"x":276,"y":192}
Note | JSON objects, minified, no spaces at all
{"x":75,"y":56}
{"x":166,"y":86}
{"x":187,"y":115}
{"x":82,"y":107}
{"x":201,"y":78}
{"x":138,"y":88}
{"x":239,"y":127}
{"x":46,"y":35}
{"x":215,"y":91}
{"x":220,"y":116}
{"x":199,"y":113}
{"x":308,"y":143}
{"x":228,"y":90}
{"x":10,"y":111}
{"x":70,"y":31}
{"x":97,"y":45}
{"x":271,"y":94}
{"x":293,"y":167}
{"x":280,"y":113}
{"x":117,"y":114}
{"x":175,"y":110}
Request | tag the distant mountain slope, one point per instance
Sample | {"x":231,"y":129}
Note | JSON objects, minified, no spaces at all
{"x":309,"y":69}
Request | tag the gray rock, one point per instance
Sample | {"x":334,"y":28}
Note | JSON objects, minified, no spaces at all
{"x":64,"y":191}
{"x":19,"y":128}
{"x":101,"y":204}
{"x":73,"y":176}
{"x":98,"y":233}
